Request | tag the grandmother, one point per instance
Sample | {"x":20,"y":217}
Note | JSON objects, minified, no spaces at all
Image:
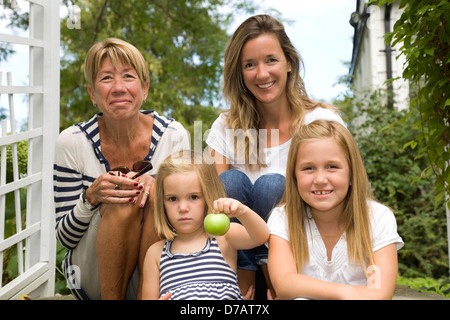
{"x":103,"y":176}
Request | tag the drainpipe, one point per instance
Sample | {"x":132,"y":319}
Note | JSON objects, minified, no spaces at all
{"x":388,"y":51}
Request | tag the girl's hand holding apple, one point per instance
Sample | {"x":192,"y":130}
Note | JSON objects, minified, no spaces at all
{"x":218,"y":222}
{"x":229,"y":206}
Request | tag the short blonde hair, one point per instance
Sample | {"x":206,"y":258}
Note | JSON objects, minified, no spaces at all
{"x":119,"y":51}
{"x":181,"y":162}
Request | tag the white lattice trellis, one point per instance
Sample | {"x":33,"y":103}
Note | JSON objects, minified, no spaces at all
{"x":33,"y":237}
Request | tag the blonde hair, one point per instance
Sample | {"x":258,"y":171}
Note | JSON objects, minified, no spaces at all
{"x":243,"y":113}
{"x":181,"y":162}
{"x":119,"y":51}
{"x":356,"y":211}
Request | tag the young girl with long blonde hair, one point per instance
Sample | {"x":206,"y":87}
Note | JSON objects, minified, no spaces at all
{"x":329,"y":239}
{"x":190,"y":264}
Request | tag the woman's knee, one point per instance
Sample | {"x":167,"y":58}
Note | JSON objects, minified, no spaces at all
{"x":273,"y":184}
{"x":231,"y":177}
{"x":267,"y":193}
{"x":237,"y":184}
{"x":121,"y":213}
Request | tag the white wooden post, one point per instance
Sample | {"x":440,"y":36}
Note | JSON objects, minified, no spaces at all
{"x":35,"y":235}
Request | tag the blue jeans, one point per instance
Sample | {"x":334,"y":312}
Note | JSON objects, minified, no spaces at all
{"x":261,"y":197}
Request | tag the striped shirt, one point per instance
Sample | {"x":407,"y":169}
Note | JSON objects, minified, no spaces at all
{"x":79,"y":161}
{"x":203,"y":275}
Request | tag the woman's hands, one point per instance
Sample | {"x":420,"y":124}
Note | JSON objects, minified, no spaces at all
{"x":116,"y":187}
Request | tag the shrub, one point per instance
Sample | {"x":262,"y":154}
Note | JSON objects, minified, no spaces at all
{"x":382,"y":134}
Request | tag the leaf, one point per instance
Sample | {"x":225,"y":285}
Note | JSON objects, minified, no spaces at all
{"x":430,"y":51}
{"x":445,"y":282}
{"x":412,"y":144}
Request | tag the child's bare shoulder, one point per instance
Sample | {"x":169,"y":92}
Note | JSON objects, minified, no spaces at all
{"x":156,"y":248}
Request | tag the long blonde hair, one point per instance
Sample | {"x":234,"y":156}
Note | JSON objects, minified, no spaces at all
{"x":356,"y":211}
{"x":243,"y":113}
{"x":181,"y":162}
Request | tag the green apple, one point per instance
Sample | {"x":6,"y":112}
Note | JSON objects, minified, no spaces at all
{"x":216,"y":224}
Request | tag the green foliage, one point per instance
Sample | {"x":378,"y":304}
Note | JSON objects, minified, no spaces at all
{"x":10,"y":261}
{"x":22,"y":159}
{"x":427,"y":284}
{"x":382,"y":133}
{"x":423,"y":31}
{"x":60,"y":282}
{"x":10,"y":267}
{"x":5,"y":50}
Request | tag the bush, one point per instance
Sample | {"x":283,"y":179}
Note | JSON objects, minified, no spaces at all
{"x":382,"y":134}
{"x":441,"y":287}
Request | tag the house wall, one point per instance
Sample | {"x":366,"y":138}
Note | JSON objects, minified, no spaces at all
{"x":369,"y":66}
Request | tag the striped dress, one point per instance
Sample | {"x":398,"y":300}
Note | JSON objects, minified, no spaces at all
{"x":203,"y":275}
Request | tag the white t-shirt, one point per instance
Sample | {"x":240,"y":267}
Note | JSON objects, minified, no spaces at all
{"x":221,"y":139}
{"x":340,"y":269}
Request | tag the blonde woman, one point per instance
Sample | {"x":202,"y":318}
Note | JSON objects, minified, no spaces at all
{"x":329,"y":239}
{"x":190,"y":264}
{"x":250,"y":142}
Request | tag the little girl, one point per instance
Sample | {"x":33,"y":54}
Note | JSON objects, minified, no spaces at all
{"x":190,"y":264}
{"x":329,"y":239}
